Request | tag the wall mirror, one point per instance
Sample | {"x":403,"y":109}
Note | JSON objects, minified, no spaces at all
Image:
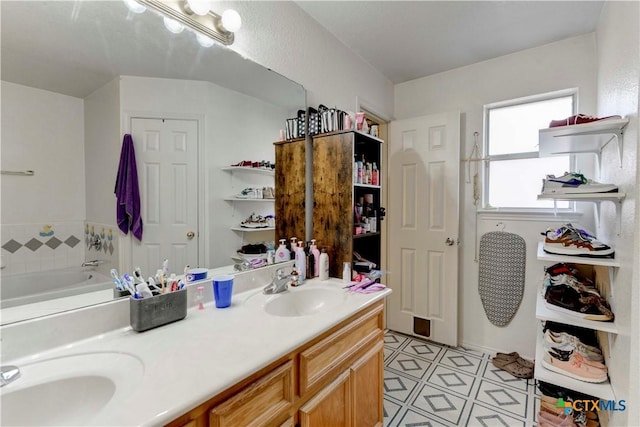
{"x":77,"y":76}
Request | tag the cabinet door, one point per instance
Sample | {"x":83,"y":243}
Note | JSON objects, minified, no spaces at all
{"x":261,"y":403}
{"x":333,"y":198}
{"x":366,"y":388}
{"x":290,"y":189}
{"x":330,"y":407}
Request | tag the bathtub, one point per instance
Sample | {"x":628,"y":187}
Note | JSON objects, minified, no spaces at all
{"x":28,"y":288}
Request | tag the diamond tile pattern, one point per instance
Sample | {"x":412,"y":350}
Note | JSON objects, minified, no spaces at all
{"x":53,"y":242}
{"x":429,"y":384}
{"x":72,"y":241}
{"x":33,"y":244}
{"x":12,"y":246}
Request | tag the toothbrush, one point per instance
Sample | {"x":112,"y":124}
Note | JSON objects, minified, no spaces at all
{"x":165,"y":267}
{"x":138,"y":274}
{"x":116,"y":280}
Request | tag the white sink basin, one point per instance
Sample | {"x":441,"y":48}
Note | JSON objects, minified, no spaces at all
{"x":70,"y":390}
{"x":304,"y":301}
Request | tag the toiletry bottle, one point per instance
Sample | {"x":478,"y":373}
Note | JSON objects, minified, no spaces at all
{"x":294,"y":246}
{"x":375,"y":175}
{"x":346,"y":272}
{"x":300,"y":263}
{"x":359,"y":172}
{"x":315,"y":255}
{"x":324,"y":265}
{"x":200,"y":297}
{"x":282,"y":254}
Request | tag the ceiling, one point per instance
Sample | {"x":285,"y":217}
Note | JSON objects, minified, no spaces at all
{"x":76,"y":47}
{"x":406,"y":40}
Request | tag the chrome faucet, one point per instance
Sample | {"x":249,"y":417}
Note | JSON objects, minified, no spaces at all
{"x":8,"y":374}
{"x":279,"y":283}
{"x":93,"y":263}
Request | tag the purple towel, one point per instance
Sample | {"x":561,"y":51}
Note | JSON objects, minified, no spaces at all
{"x":127,"y":193}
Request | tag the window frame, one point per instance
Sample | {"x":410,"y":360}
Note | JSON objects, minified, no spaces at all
{"x":573,"y":93}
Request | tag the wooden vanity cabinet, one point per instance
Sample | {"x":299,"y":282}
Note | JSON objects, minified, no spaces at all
{"x":336,"y":379}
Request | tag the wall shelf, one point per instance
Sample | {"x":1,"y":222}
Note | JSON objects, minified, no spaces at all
{"x":235,"y":199}
{"x":595,"y":198}
{"x":544,"y":313}
{"x":252,"y":230}
{"x":583,"y":138}
{"x":247,"y":169}
{"x":543,"y":256}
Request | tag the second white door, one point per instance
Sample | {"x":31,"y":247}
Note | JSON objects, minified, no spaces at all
{"x":424,"y":159}
{"x":167,"y":162}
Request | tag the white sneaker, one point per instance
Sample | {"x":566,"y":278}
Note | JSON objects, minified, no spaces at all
{"x":574,"y":183}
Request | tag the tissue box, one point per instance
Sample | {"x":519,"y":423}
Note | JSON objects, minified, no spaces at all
{"x":149,"y":313}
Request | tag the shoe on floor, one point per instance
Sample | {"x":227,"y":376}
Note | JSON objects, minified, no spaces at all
{"x":515,"y":356}
{"x":573,"y":241}
{"x":574,"y":183}
{"x":513,"y":367}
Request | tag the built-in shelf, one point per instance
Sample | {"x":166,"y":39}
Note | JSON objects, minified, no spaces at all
{"x":600,"y":390}
{"x":366,"y":186}
{"x":582,"y":138}
{"x":595,"y":198}
{"x":252,"y":230}
{"x":360,"y":236}
{"x":247,"y":169}
{"x":543,"y":256}
{"x":544,"y":313}
{"x":236,"y":199}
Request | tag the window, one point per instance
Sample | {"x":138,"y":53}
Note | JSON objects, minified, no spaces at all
{"x":514,"y":172}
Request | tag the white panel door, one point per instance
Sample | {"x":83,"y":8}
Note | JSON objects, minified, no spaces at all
{"x":167,"y":161}
{"x":424,"y":163}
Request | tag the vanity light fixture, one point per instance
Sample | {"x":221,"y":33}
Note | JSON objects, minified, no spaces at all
{"x":197,"y":16}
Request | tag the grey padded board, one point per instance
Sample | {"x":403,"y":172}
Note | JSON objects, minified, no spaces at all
{"x":501,"y":282}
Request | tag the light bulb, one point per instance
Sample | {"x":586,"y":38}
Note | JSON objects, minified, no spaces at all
{"x":204,"y":41}
{"x":199,"y":7}
{"x":134,"y":6}
{"x":172,"y":25}
{"x":231,"y":20}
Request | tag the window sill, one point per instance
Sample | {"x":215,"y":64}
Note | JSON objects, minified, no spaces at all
{"x":529,"y":215}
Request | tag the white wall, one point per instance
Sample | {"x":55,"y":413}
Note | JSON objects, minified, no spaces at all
{"x":236,"y":127}
{"x":282,"y":37}
{"x":618,"y":80}
{"x":42,"y":131}
{"x":566,"y":64}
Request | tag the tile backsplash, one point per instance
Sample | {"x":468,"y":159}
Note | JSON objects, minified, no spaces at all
{"x":27,"y":248}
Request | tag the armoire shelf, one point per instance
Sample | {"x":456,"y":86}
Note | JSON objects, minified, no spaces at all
{"x":601,"y":390}
{"x":583,"y":138}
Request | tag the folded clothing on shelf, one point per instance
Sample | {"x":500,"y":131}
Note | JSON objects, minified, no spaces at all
{"x":578,"y":119}
{"x":574,"y":183}
{"x":574,"y":241}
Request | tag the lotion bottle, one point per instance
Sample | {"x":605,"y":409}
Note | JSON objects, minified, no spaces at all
{"x":301,"y":263}
{"x":324,"y":265}
{"x":346,"y":272}
{"x":315,"y":254}
{"x":282,"y":254}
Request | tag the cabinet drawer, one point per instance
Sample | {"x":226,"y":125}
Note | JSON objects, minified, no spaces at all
{"x":333,"y":353}
{"x":258,"y":404}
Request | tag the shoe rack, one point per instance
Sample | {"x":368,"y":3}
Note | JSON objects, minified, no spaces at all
{"x":238,"y":179}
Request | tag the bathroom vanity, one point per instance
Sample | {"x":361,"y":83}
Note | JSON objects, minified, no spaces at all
{"x":309,"y":356}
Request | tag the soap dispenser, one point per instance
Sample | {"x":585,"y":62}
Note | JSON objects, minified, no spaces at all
{"x":315,"y":255}
{"x":293,"y":247}
{"x":282,"y":254}
{"x":301,"y":263}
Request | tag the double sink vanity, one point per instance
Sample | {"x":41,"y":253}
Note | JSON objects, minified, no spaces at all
{"x":311,"y":355}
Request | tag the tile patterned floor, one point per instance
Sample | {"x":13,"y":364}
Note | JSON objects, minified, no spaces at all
{"x":428,"y":384}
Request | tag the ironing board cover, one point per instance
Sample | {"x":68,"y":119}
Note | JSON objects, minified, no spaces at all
{"x":501,"y":282}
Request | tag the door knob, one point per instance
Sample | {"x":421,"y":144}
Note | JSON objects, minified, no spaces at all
{"x":191,"y":235}
{"x":449,"y":241}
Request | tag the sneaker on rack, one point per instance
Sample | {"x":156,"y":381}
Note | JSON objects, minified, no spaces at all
{"x":573,"y":241}
{"x":243,"y":163}
{"x":247,"y":193}
{"x":565,"y":299}
{"x":254,"y":221}
{"x":574,"y":367}
{"x":567,"y":342}
{"x":268,"y":193}
{"x":574,"y":183}
{"x":579,"y":119}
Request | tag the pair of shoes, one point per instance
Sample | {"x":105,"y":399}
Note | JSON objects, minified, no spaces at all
{"x":254,"y":221}
{"x":586,"y":336}
{"x":564,"y":341}
{"x":574,"y":183}
{"x":566,"y":299}
{"x":513,"y":364}
{"x":573,"y":241}
{"x":578,"y":119}
{"x":268,"y":193}
{"x":574,"y":366}
{"x":250,"y":193}
{"x":547,"y":419}
{"x":243,"y":163}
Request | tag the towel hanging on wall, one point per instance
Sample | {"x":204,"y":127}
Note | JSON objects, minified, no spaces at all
{"x":501,"y":275}
{"x":127,"y":192}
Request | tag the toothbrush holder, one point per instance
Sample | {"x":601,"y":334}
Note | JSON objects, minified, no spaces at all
{"x":149,"y":313}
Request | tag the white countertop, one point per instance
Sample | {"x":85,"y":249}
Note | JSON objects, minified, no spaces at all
{"x":188,"y":362}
